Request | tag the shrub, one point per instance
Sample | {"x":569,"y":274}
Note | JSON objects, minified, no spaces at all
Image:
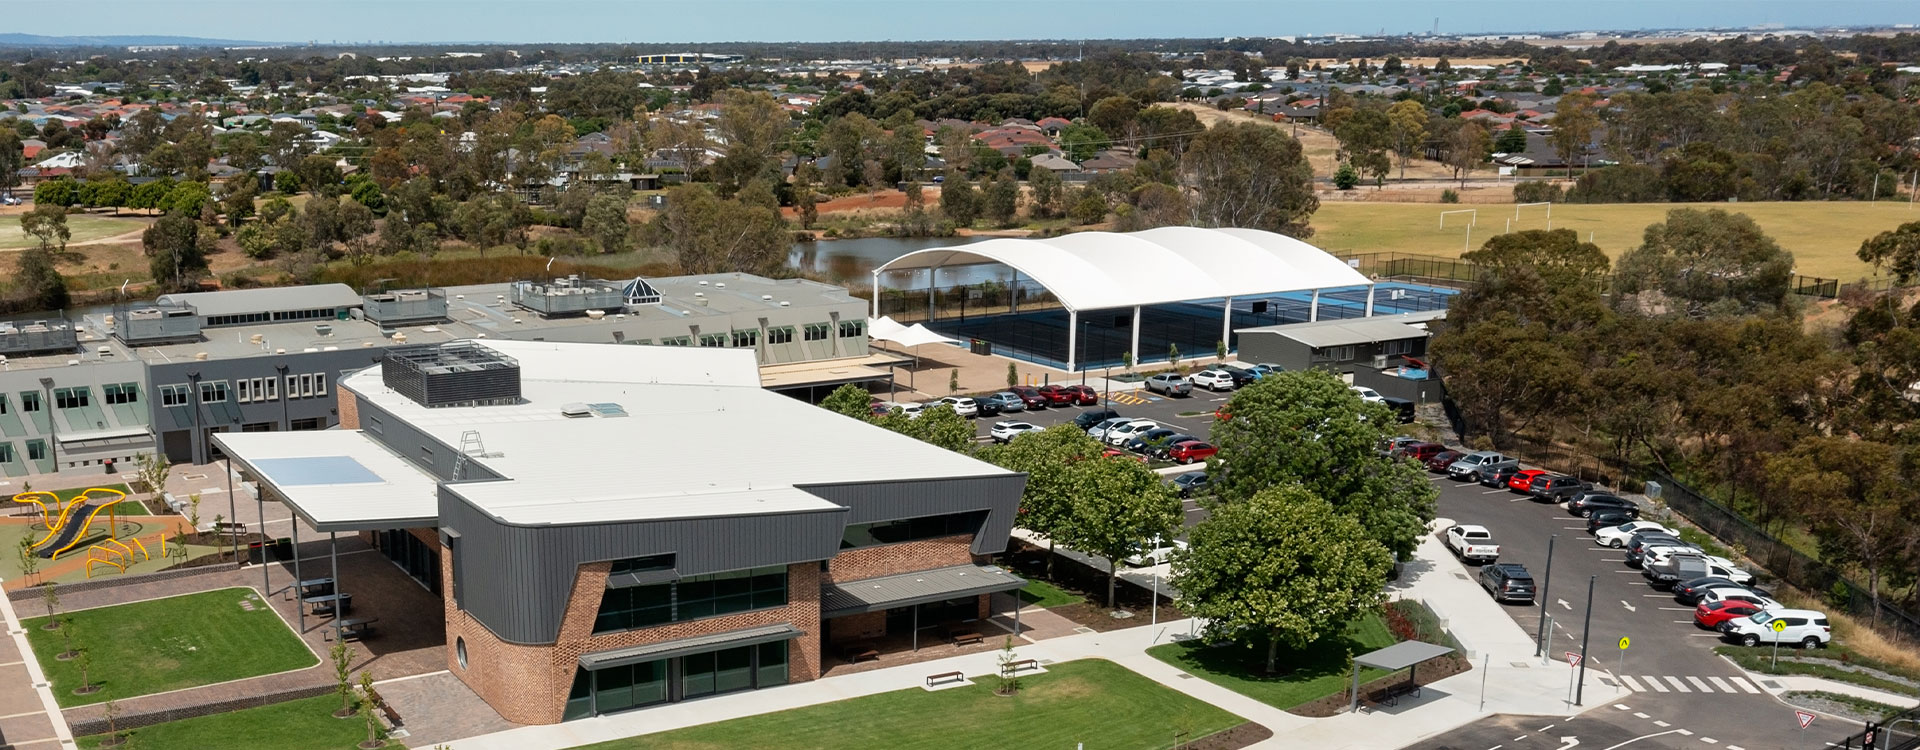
{"x":1625,"y":183}
{"x":1345,"y":177}
{"x":1449,"y":195}
{"x":1536,"y":192}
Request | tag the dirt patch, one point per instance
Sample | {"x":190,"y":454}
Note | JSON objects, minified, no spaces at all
{"x":892,"y":200}
{"x":1429,"y":673}
{"x":1245,"y":735}
{"x":1031,"y":563}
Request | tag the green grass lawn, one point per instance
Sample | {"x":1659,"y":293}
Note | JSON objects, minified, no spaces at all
{"x":73,"y":492}
{"x":305,"y":724}
{"x":1047,"y":595}
{"x":1305,"y":675}
{"x":168,"y":644}
{"x":1092,"y":701}
{"x":1823,"y":235}
{"x":85,"y":228}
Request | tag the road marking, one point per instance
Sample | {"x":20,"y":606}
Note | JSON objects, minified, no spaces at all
{"x":1575,"y":528}
{"x":1629,"y":607}
{"x":1435,"y":479}
{"x":1678,"y":685}
{"x":1641,"y":737}
{"x":1631,"y":685}
{"x":1636,"y":572}
{"x":1684,"y":733}
{"x":1545,"y":728}
{"x":1469,"y":484}
{"x":1719,"y":683}
{"x":1564,"y":605}
{"x":1489,"y":492}
{"x":1682,"y":622}
{"x":1613,"y":559}
{"x":1679,"y":609}
{"x":1662,"y":725}
{"x":1743,"y":684}
{"x":1656,"y":596}
{"x":1622,"y":706}
{"x":1735,"y":747}
{"x":1710,"y":740}
{"x":1699,"y":683}
{"x":1639,"y":715}
{"x":1703,"y":635}
{"x":1654,"y":682}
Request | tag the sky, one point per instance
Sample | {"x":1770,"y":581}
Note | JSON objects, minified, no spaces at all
{"x":693,"y":21}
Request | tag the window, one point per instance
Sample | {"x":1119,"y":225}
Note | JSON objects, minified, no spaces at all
{"x":852,"y":328}
{"x":677,"y":341}
{"x":213,"y":391}
{"x":818,"y":331}
{"x":243,"y":390}
{"x":36,"y":450}
{"x":319,"y":384}
{"x":1333,"y":354}
{"x":642,"y":564}
{"x":374,"y":426}
{"x":29,"y":401}
{"x":911,"y":529}
{"x":72,"y":398}
{"x":174,"y":395}
{"x":272,"y":391}
{"x":746,"y":338}
{"x":691,"y":598}
{"x":310,"y":423}
{"x":3,"y":403}
{"x":781,"y":335}
{"x":713,"y":339}
{"x":306,"y":386}
{"x":293,"y":386}
{"x":1392,"y":348}
{"x":6,"y":453}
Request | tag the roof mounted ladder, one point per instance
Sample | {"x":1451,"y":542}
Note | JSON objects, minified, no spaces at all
{"x":470,"y":447}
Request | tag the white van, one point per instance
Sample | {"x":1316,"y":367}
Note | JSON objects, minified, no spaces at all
{"x":1803,"y":626}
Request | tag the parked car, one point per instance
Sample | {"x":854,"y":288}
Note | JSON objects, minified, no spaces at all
{"x":1030,"y":396}
{"x":1665,"y":567}
{"x":1266,"y":368}
{"x":1617,"y":536}
{"x":1507,"y":582}
{"x":1587,"y":505}
{"x":1638,"y":546}
{"x":1522,"y":480}
{"x":1803,"y":626}
{"x":1169,"y":384}
{"x":1118,"y":453}
{"x":1085,"y":395}
{"x":1007,"y":402}
{"x":1498,"y":478}
{"x":1213,"y":380}
{"x":1147,"y":441}
{"x":1159,"y":451}
{"x":1606,"y":518}
{"x":1469,"y":467}
{"x":1403,"y":410}
{"x":1711,"y":616}
{"x":1006,"y":431}
{"x":986,"y":408}
{"x":1438,"y":462}
{"x":1191,"y":451}
{"x":1059,"y":395}
{"x":962,"y":405}
{"x":1242,"y":374}
{"x":1192,"y":483}
{"x":1099,"y":429}
{"x":1391,"y":446}
{"x":1121,"y":433}
{"x":908,"y":408}
{"x":1420,"y":451}
{"x":1368,"y":395}
{"x":1554,"y":488}
{"x":1688,"y":592}
{"x":1720,"y":566}
{"x":1087,"y":419}
{"x":1166,"y":551}
{"x":1472,"y":543}
{"x":1739,"y":595}
{"x":879,"y":408}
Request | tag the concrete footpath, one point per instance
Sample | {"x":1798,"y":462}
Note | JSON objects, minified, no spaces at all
{"x":1502,"y":654}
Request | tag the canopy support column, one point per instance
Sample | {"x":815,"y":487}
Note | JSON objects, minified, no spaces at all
{"x":1013,"y":294}
{"x":931,"y":273}
{"x":1073,"y":338}
{"x":339,"y":602}
{"x":1226,"y":324}
{"x":876,"y":294}
{"x":298,"y":606}
{"x":1134,"y":348}
{"x":1313,"y":308}
{"x":1370,"y":289}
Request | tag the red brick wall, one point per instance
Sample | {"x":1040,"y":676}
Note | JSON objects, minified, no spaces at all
{"x":529,"y":684}
{"x":906,"y":557}
{"x":859,"y":627}
{"x":349,"y":409}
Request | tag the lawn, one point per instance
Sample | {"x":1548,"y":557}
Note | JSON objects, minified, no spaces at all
{"x":1822,"y":235}
{"x":168,"y":644}
{"x":1047,"y":595}
{"x":85,"y":228}
{"x":305,"y":724}
{"x":1308,"y":674}
{"x":1092,"y":703}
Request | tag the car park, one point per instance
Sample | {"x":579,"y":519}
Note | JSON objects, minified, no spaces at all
{"x":1507,"y":582}
{"x":1438,"y":462}
{"x":1087,"y":419}
{"x":1712,"y":615}
{"x":1121,"y":433}
{"x":1084,"y":395}
{"x":1554,"y":488}
{"x":1030,"y":396}
{"x":1006,"y":431}
{"x":1368,"y":395}
{"x":1192,"y":483}
{"x":1213,"y":380}
{"x":1522,"y":480}
{"x":1498,"y":478}
{"x":1099,"y":429}
{"x":962,"y":405}
{"x":1169,"y":384}
{"x":1059,"y":395}
{"x":1617,"y":536}
{"x":1732,"y":594}
{"x":1191,"y":451}
{"x":1803,"y":626}
{"x":1403,"y":410}
{"x":1469,"y":467}
{"x":1472,"y":543}
{"x":1004,"y":402}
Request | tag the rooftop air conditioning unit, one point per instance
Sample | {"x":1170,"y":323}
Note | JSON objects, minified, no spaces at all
{"x":576,"y":411}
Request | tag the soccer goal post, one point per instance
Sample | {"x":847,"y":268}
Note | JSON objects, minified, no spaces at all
{"x":1549,"y":207}
{"x":1473,"y":216}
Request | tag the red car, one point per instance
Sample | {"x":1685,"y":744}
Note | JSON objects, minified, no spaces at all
{"x":1523,"y":480}
{"x":1085,"y":395}
{"x":1117,"y":453}
{"x":1191,"y":451}
{"x":1419,"y":451}
{"x":1031,"y":396}
{"x":1709,"y":615}
{"x":1059,"y":395}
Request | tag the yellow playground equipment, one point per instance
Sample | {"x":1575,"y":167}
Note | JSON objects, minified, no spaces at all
{"x":29,"y":497}
{"x":67,"y":529}
{"x":116,"y":553}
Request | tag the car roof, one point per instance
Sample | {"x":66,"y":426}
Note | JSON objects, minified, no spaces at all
{"x":1470,"y":527}
{"x":1512,"y":568}
{"x":1812,"y":613}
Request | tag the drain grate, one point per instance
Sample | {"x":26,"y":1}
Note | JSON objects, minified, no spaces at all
{"x":1184,"y":676}
{"x":1771,"y":684}
{"x":1461,"y":576}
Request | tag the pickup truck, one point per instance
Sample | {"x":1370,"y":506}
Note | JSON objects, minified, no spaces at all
{"x":1472,"y":543}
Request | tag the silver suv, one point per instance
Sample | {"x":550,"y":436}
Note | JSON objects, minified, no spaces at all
{"x":1169,"y":384}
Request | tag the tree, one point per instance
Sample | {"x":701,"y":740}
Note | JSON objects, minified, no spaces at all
{"x":177,"y":260}
{"x":1408,"y":120}
{"x":1467,"y":148}
{"x":1345,"y":177}
{"x":1113,"y":114}
{"x":29,"y":562}
{"x":318,"y":173}
{"x":752,"y":125}
{"x":1250,"y":176}
{"x":50,"y":595}
{"x":340,"y":657}
{"x":1013,"y":373}
{"x":711,"y":234}
{"x":1118,"y":507}
{"x":850,"y":400}
{"x":36,"y":276}
{"x":1895,"y":251}
{"x":1556,"y":255}
{"x":1045,"y":186}
{"x":1283,"y":564}
{"x":1365,"y":136}
{"x":1081,"y":141}
{"x":1000,"y":198}
{"x":237,"y":203}
{"x":12,"y":160}
{"x":1173,"y":356}
{"x":1512,"y":140}
{"x":953,"y":381}
{"x":606,"y":222}
{"x":369,"y":706}
{"x":958,"y":200}
{"x":1308,"y":428}
{"x":1574,"y":121}
{"x":1702,"y":261}
{"x":62,"y":192}
{"x":1044,"y":456}
{"x":1859,"y":497}
{"x":151,"y":196}
{"x":188,"y":198}
{"x":938,"y":425}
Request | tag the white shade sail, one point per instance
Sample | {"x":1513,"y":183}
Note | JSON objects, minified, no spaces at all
{"x":887,"y":329}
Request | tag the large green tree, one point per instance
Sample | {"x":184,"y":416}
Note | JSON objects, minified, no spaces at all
{"x":1556,"y":255}
{"x":1308,"y":428}
{"x":1119,"y":507}
{"x":1250,"y":176}
{"x":711,"y":234}
{"x":937,"y":424}
{"x":37,"y":280}
{"x":1895,"y":251}
{"x":1706,"y":261}
{"x":1045,"y":457}
{"x":752,"y":124}
{"x":1283,"y":566}
{"x":1859,"y":497}
{"x":850,"y":400}
{"x":606,"y":222}
{"x":177,"y":258}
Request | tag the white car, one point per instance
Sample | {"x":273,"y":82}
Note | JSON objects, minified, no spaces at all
{"x":1738,"y":595}
{"x":911,"y":409}
{"x":962,"y":405}
{"x":1120,"y":434}
{"x":1617,"y":536}
{"x":1368,"y":395}
{"x":1005,"y":431}
{"x":1724,"y":568}
{"x":1157,"y":555}
{"x":1099,"y":429}
{"x":1654,"y":557}
{"x":1213,"y":380}
{"x":1803,"y":626}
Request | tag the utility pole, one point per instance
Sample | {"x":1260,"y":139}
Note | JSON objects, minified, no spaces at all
{"x":1586,"y":632}
{"x":1545,"y":581}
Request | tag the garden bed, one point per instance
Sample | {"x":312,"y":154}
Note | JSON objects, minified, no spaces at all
{"x":1076,"y":579}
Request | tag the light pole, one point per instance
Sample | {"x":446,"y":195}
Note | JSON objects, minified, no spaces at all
{"x":1586,"y":632}
{"x":1547,"y":580}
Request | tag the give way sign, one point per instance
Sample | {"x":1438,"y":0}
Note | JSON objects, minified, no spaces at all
{"x":1804,"y":718}
{"x":1573,"y":658}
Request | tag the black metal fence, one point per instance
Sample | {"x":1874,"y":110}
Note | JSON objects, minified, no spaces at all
{"x":1900,"y":731}
{"x":1442,"y":270}
{"x":1782,"y":560}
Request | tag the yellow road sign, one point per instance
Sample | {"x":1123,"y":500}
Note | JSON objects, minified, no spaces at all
{"x":1624,"y":642}
{"x":1779,"y":626}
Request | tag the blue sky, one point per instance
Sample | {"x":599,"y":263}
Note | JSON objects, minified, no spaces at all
{"x":526,"y":21}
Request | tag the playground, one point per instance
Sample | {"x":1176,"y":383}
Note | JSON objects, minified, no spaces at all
{"x":83,"y":533}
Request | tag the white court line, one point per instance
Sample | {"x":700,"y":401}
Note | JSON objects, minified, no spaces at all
{"x":1654,"y":682}
{"x":1699,"y":683}
{"x":1678,"y":685}
{"x":1722,"y":684}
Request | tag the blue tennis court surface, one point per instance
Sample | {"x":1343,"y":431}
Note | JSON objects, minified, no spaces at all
{"x":312,"y":470}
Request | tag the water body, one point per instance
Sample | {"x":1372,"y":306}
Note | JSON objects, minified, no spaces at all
{"x":851,"y":262}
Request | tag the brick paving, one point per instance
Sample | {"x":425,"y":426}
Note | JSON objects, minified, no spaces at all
{"x":440,"y":708}
{"x":25,"y":724}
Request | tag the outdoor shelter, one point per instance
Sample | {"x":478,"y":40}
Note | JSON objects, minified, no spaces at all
{"x":1165,"y":281}
{"x":1403,"y":655}
{"x":884,"y":328}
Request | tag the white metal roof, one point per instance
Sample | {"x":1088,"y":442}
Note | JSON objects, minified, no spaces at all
{"x":383,"y":488}
{"x":241,"y":301}
{"x":1098,"y":270}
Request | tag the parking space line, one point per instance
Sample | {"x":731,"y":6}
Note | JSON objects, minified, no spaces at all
{"x":1613,"y":559}
{"x":1682,"y":622}
{"x":1639,"y":715}
{"x":1684,"y":732}
{"x":1661,"y":724}
{"x":1654,"y":682}
{"x":1678,"y":609}
{"x":1710,"y":740}
{"x":1719,"y":683}
{"x":1678,"y":685}
{"x":1489,"y":492}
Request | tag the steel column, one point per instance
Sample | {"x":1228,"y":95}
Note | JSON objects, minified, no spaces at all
{"x":1073,"y":338}
{"x":1313,"y":308}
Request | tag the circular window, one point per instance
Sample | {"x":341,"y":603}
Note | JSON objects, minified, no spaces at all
{"x":460,"y":651}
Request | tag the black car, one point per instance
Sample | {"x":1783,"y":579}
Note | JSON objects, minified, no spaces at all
{"x":1507,"y":582}
{"x":1637,"y":553}
{"x":1605,"y":519}
{"x":1497,"y":478}
{"x":1192,"y":483}
{"x":1159,"y":450}
{"x":1093,"y":417}
{"x":1592,"y":502}
{"x":1151,"y":439}
{"x":1402,"y":408}
{"x":1241,"y":375}
{"x":986,"y":408}
{"x":1554,"y":488}
{"x":1689,"y":592}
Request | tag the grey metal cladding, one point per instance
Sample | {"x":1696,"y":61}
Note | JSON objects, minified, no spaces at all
{"x":998,"y":495}
{"x":523,"y":574}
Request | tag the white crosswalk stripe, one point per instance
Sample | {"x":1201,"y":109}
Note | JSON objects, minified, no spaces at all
{"x":1719,"y":683}
{"x":1655,"y":683}
{"x":1631,"y":684}
{"x":1744,"y":684}
{"x":1699,"y":683}
{"x":1688,"y":684}
{"x":1678,"y":685}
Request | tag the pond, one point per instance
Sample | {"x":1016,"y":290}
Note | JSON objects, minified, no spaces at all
{"x":851,"y":262}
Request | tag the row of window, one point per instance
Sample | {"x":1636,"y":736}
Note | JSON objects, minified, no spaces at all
{"x":260,"y":317}
{"x":245,"y":390}
{"x":76,"y":397}
{"x":36,"y":451}
{"x":692,"y":598}
{"x":912,"y":529}
{"x":751,"y":337}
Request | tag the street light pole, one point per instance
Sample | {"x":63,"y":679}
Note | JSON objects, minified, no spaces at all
{"x":1586,"y":632}
{"x":1541,"y":638}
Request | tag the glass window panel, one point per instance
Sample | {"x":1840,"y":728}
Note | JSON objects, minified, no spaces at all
{"x":696,"y":675}
{"x":773,"y":664}
{"x":650,"y":683}
{"x":613,"y":689}
{"x":580,"y":698}
{"x":735,"y":670}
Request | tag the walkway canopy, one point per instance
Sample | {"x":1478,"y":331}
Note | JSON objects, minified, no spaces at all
{"x":1402,"y":655}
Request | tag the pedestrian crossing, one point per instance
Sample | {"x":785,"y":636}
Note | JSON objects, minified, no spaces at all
{"x":1688,"y":684}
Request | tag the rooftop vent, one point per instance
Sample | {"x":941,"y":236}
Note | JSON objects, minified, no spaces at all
{"x":455,"y":373}
{"x":576,"y":411}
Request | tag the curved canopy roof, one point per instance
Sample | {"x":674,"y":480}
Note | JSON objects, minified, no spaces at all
{"x":1097,"y":270}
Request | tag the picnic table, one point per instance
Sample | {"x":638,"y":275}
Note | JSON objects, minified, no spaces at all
{"x":356,"y":628}
{"x":960,"y":635}
{"x":854,"y":653}
{"x":315,"y":587}
{"x":325,"y":604}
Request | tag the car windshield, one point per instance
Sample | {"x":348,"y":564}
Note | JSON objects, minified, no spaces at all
{"x":1761,"y":618}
